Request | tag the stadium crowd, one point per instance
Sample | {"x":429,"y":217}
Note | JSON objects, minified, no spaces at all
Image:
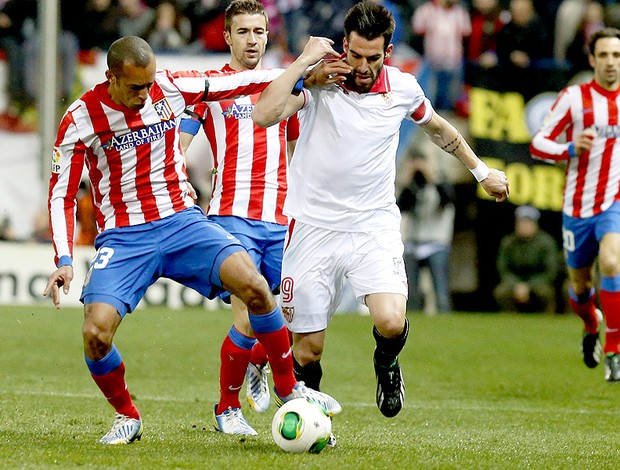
{"x":453,"y":37}
{"x":451,"y":40}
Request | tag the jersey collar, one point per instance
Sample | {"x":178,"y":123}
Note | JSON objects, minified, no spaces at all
{"x":604,"y":92}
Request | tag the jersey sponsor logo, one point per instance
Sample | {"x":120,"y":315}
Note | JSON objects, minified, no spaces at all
{"x":608,"y":132}
{"x":238,"y":111}
{"x":289,"y":313}
{"x":56,"y":160}
{"x":163,"y":109}
{"x":142,"y":136}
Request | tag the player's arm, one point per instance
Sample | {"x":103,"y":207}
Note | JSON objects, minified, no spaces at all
{"x":448,"y":138}
{"x":545,"y":145}
{"x":277,"y":102}
{"x":67,"y":165}
{"x":191,"y":122}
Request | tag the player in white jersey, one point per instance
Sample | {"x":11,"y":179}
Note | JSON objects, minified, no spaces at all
{"x":582,"y":129}
{"x":250,"y":166}
{"x":345,"y":222}
{"x":126,"y":129}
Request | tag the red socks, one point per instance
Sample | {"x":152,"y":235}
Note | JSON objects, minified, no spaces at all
{"x":586,"y":313}
{"x":259,"y":355}
{"x":114,"y":388}
{"x":233,"y":364}
{"x":610,"y":302}
{"x":278,"y":347}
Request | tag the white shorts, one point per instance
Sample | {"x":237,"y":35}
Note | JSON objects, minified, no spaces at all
{"x":317,"y":261}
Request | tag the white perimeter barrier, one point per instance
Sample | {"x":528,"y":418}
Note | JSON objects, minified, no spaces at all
{"x":25,"y":267}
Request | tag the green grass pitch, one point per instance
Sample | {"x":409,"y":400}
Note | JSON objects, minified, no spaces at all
{"x":489,"y":391}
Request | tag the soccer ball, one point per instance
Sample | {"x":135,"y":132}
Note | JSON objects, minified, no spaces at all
{"x":301,"y":426}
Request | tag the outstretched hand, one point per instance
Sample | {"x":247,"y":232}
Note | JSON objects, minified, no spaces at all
{"x":496,"y":185}
{"x":62,"y":277}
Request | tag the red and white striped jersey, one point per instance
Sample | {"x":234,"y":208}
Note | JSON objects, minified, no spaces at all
{"x":593,"y":178}
{"x":250,"y":162}
{"x":443,"y":29}
{"x":134,"y":158}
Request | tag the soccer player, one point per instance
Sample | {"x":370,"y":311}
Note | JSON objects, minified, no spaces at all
{"x":582,"y":130}
{"x":126,"y":130}
{"x":345,"y":222}
{"x":250,"y":166}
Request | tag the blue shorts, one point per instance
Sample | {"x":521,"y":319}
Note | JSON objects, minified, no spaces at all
{"x":185,"y":247}
{"x":263,"y":240}
{"x":581,"y":237}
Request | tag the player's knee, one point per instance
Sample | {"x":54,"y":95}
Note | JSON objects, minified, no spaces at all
{"x":97,"y":342}
{"x":309,"y":354}
{"x":391,"y":326}
{"x":609,"y":265}
{"x":255,"y":294}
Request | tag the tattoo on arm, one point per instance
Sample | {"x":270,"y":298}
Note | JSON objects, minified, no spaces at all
{"x":453,"y":146}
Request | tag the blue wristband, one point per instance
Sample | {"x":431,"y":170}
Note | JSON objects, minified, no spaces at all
{"x":298,"y":87}
{"x":189,"y":126}
{"x":571,"y":150}
{"x":64,"y":261}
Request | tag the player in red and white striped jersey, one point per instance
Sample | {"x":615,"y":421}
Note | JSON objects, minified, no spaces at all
{"x":127,"y":131}
{"x":582,"y":129}
{"x":250,"y":166}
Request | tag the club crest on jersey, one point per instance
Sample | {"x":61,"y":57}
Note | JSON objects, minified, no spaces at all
{"x":56,"y":160}
{"x":288,"y":313}
{"x":163,"y":109}
{"x":238,"y":111}
{"x":142,"y":136}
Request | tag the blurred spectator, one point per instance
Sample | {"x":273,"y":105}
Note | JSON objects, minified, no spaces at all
{"x":427,"y":206}
{"x":577,"y":52}
{"x":42,"y":232}
{"x":207,"y":20}
{"x":567,"y":21}
{"x":100,"y":25}
{"x":136,"y":17}
{"x":71,"y":15}
{"x":292,"y":14}
{"x":443,"y":24}
{"x":394,"y":9}
{"x":486,"y":23}
{"x":325,"y":18}
{"x":13,"y":17}
{"x":547,"y":10}
{"x":523,"y":41}
{"x":6,"y":230}
{"x":171,"y":31}
{"x":527,"y":266}
{"x":278,"y":34}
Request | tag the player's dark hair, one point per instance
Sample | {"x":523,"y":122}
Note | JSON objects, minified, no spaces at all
{"x":243,"y":7}
{"x":129,"y":50}
{"x":603,"y":33}
{"x":370,"y":20}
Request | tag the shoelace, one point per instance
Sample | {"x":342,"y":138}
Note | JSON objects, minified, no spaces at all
{"x":232,"y":417}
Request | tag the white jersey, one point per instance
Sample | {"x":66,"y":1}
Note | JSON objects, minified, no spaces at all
{"x":343,"y":170}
